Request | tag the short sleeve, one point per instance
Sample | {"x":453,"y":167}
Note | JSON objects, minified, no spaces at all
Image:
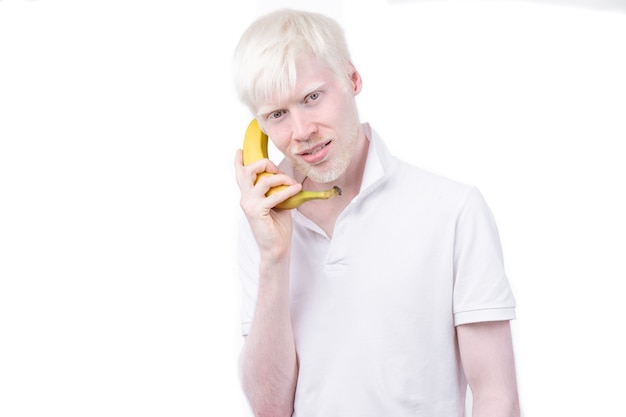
{"x":482,"y":291}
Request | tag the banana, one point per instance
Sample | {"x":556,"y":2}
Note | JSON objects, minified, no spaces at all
{"x":255,"y":148}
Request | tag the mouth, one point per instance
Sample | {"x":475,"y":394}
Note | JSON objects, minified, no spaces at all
{"x":316,"y":149}
{"x":316,"y":154}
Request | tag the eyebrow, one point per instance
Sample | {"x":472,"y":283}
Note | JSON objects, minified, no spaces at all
{"x":312,"y":87}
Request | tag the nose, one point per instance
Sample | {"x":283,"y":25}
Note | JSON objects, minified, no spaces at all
{"x":302,"y":127}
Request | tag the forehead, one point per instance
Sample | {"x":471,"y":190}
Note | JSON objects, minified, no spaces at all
{"x":311,"y":74}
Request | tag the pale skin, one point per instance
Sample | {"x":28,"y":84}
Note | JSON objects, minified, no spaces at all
{"x":488,"y":362}
{"x":316,"y":126}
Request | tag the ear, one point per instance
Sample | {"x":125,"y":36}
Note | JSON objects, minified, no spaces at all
{"x":356,"y":83}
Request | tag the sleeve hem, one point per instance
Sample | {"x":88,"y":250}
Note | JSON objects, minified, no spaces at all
{"x":489,"y":314}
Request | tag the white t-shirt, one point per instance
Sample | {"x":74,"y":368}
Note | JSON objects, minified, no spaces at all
{"x":374,"y":309}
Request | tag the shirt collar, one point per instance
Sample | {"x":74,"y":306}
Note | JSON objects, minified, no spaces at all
{"x":378,"y":159}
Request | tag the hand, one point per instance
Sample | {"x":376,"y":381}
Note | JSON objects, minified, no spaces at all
{"x":271,"y":228}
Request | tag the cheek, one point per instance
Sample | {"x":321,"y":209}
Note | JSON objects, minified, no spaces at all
{"x":349,"y":122}
{"x":346,"y":111}
{"x":280,"y":142}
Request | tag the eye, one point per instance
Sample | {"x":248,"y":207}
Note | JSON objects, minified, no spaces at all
{"x":312,"y":97}
{"x":276,"y":114}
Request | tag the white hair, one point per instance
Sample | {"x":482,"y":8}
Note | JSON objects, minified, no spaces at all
{"x":265,"y":58}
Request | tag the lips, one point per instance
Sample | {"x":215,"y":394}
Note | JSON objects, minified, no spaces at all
{"x":316,"y":154}
{"x":316,"y":149}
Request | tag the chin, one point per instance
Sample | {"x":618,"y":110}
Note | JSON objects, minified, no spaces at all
{"x":328,"y":175}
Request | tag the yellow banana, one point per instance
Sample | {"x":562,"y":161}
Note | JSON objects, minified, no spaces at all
{"x":255,"y":148}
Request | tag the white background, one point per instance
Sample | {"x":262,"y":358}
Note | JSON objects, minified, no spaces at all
{"x":118,"y":128}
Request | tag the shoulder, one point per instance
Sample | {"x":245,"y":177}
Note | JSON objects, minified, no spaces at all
{"x":418,"y":186}
{"x":436,"y":188}
{"x":414,"y":178}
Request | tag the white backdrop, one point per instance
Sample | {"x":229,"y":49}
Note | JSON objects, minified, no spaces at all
{"x":118,"y":127}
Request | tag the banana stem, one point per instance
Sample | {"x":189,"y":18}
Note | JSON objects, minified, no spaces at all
{"x":324,"y":195}
{"x":304,"y":196}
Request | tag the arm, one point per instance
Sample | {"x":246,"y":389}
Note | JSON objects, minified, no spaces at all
{"x":268,"y":361}
{"x":486,"y":351}
{"x":269,"y":367}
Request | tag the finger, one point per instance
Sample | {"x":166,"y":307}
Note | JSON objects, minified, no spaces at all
{"x":284,"y":193}
{"x":257,"y":200}
{"x":271,"y":167}
{"x":243,"y":179}
{"x":265,"y":182}
{"x":257,"y":195}
{"x":246,"y":175}
{"x":238,"y":161}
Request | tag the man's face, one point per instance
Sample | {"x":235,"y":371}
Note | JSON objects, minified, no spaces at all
{"x":316,"y":127}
